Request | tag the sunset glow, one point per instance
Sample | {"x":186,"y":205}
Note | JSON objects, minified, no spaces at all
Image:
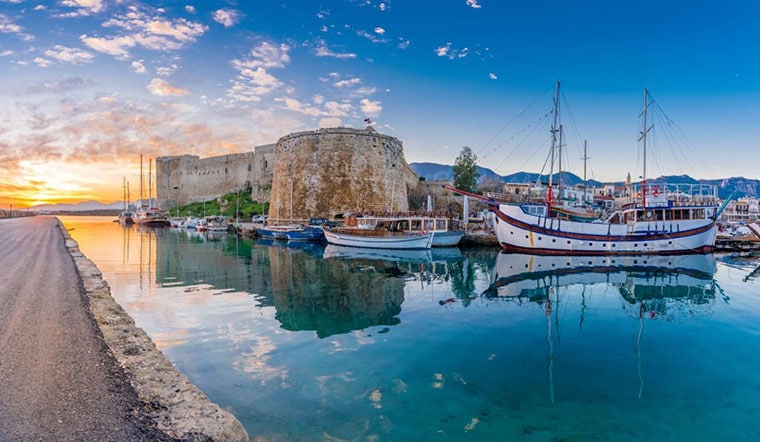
{"x":89,"y":86}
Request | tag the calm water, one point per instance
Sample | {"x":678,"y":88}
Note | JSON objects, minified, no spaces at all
{"x":311,"y":342}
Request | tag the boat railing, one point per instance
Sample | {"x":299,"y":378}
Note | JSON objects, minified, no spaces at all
{"x":671,"y":194}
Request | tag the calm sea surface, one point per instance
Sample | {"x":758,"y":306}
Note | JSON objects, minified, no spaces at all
{"x":313,"y":342}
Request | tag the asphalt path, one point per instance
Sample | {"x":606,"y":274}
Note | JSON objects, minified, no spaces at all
{"x":58,"y":380}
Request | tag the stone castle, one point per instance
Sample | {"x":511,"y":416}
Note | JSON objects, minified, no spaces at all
{"x":320,"y":173}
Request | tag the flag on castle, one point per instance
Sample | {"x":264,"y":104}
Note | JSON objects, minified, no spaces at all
{"x":367,"y":120}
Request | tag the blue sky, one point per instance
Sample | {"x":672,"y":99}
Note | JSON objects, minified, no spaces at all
{"x":88,"y":85}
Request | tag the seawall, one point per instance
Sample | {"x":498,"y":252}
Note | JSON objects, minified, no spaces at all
{"x":178,"y":408}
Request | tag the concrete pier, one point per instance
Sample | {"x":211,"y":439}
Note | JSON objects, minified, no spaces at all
{"x":74,"y":366}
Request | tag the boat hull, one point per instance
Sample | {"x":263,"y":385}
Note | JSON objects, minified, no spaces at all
{"x":403,"y":241}
{"x":449,"y":238}
{"x":519,"y":231}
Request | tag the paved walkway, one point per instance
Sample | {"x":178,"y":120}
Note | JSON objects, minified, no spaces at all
{"x":58,"y":381}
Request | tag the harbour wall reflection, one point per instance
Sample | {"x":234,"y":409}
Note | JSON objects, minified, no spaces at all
{"x":327,"y":289}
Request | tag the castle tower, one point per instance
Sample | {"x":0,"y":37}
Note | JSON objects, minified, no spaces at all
{"x":329,"y":172}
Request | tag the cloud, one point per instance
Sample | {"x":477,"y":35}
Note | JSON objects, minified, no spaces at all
{"x":69,"y":55}
{"x":42,"y":62}
{"x":268,"y":56}
{"x":84,"y":7}
{"x":492,"y":76}
{"x":404,"y":43}
{"x":162,"y":88}
{"x":371,"y":37}
{"x":330,"y":122}
{"x":139,"y":67}
{"x":226,"y":17}
{"x":138,"y":28}
{"x":323,"y":51}
{"x":371,"y":108}
{"x":118,"y":47}
{"x":350,"y":82}
{"x":318,"y":108}
{"x":253,"y":79}
{"x":165,"y":71}
{"x":7,"y":26}
{"x":6,"y":53}
{"x":473,"y":4}
{"x":382,"y":6}
{"x":379,"y":30}
{"x":59,"y":86}
{"x":190,"y":9}
{"x":448,"y":52}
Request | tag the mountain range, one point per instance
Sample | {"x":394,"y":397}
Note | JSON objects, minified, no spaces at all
{"x":738,"y":186}
{"x":84,"y":206}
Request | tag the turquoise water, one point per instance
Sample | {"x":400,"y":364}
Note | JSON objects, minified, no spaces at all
{"x":308,"y":342}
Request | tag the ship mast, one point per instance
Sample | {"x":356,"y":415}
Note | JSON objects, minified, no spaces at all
{"x":585,"y":180}
{"x":142,"y":202}
{"x":643,"y":138}
{"x":550,"y":192}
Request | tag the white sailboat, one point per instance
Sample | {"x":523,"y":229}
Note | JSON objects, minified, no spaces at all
{"x":147,"y":214}
{"x":657,"y":219}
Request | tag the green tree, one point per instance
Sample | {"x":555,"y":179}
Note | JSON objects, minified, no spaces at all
{"x":465,"y":170}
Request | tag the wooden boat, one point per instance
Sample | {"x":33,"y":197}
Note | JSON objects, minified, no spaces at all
{"x":447,"y":232}
{"x":377,"y":238}
{"x":659,"y":218}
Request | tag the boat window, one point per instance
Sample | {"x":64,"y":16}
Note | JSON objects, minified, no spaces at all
{"x":699,"y":213}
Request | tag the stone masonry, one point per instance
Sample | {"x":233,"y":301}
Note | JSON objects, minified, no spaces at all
{"x":320,"y":173}
{"x":329,"y":172}
{"x":187,"y":179}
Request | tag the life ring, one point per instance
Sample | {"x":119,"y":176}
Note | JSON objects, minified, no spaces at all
{"x":656,"y":191}
{"x":649,"y":213}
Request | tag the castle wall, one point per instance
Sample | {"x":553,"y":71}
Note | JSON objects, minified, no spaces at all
{"x":186,"y":179}
{"x":329,"y":172}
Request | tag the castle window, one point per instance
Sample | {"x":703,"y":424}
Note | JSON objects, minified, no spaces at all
{"x":249,"y":167}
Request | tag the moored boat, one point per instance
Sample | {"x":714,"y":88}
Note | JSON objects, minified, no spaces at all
{"x":377,"y":238}
{"x":291,"y":233}
{"x":447,"y":232}
{"x":127,"y":217}
{"x":657,"y":218}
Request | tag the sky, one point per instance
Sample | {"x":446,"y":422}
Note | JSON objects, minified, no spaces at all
{"x":87,"y":86}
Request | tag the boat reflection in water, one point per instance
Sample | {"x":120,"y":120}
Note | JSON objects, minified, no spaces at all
{"x":651,"y":287}
{"x":686,"y":277}
{"x":348,"y":289}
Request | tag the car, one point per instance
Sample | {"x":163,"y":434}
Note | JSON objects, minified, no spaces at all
{"x":259,"y":219}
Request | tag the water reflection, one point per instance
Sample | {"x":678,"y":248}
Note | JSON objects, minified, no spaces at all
{"x":469,"y":345}
{"x":650,"y":287}
{"x":326,"y":289}
{"x":656,"y":280}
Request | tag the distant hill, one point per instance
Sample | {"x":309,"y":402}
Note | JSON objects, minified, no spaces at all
{"x":442,"y":172}
{"x":85,"y":206}
{"x":738,"y":186}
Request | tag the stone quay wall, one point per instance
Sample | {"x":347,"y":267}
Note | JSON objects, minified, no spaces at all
{"x":187,"y":179}
{"x":330,"y":172}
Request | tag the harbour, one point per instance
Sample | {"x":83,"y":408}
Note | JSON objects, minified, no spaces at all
{"x":299,"y":340}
